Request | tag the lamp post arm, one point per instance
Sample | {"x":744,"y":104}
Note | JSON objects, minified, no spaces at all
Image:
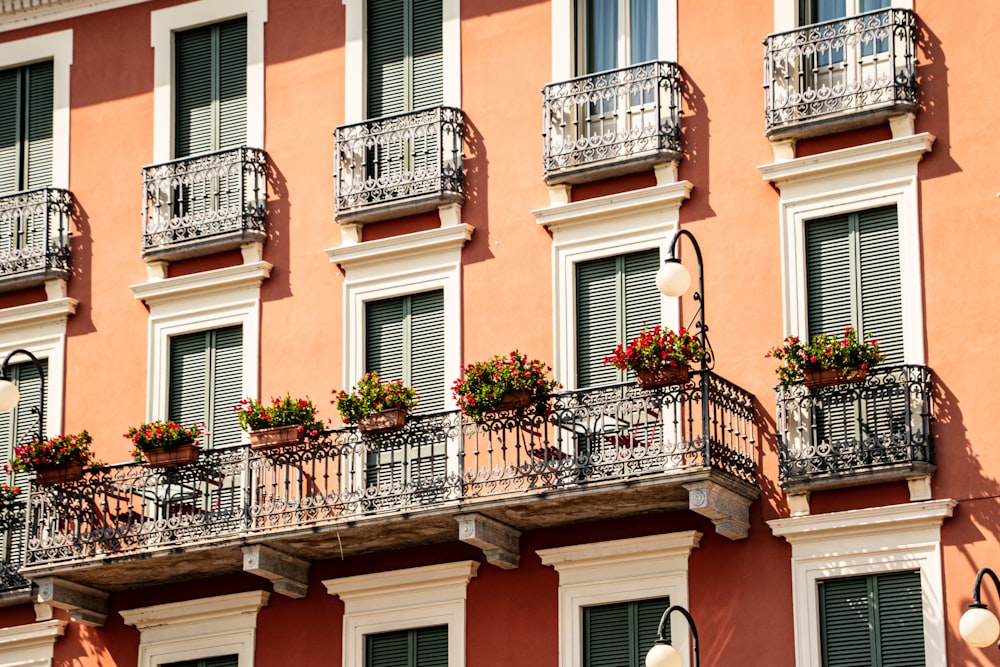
{"x":699,"y":296}
{"x":976,"y":602}
{"x":5,"y":371}
{"x":662,"y":629}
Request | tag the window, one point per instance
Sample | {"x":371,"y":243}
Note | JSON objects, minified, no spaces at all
{"x":616,"y":298}
{"x":206,"y":374}
{"x":872,"y":620}
{"x":423,"y":647}
{"x":19,"y":425}
{"x":620,"y":635}
{"x":225,"y":661}
{"x":818,"y":11}
{"x":26,"y":129}
{"x":405,"y":60}
{"x":615,"y":33}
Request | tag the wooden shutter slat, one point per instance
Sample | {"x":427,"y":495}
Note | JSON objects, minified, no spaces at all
{"x":432,"y":647}
{"x":828,"y":275}
{"x":384,"y":337}
{"x":10,"y":143}
{"x":188,"y":390}
{"x":38,"y":130}
{"x":900,"y":619}
{"x":427,"y":372}
{"x":232,"y":83}
{"x":388,"y":649}
{"x":386,"y":57}
{"x":597,"y":308}
{"x":881,"y":281}
{"x":845,"y":623}
{"x":428,"y":58}
{"x":227,"y":386}
{"x":193,"y":94}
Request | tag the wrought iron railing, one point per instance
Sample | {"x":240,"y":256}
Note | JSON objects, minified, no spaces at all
{"x":12,"y":546}
{"x":388,"y":161}
{"x":604,"y":120}
{"x":200,"y":198}
{"x":856,"y":430}
{"x":845,"y":67}
{"x":585,"y":438}
{"x":34,"y":232}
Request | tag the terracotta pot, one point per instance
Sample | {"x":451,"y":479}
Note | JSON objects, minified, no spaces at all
{"x":651,"y":378}
{"x":169,"y":458}
{"x":817,"y":376}
{"x":512,"y":400}
{"x":383,"y":421}
{"x":62,"y":472}
{"x":278,"y":436}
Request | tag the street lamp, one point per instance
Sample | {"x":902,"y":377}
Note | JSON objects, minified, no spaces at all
{"x":10,"y":394}
{"x":663,"y":654}
{"x":673,"y":279}
{"x":978,"y":626}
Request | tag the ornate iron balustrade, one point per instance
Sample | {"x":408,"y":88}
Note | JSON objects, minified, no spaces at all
{"x":839,"y":74}
{"x":400,"y":165}
{"x":586,"y":438}
{"x":34,"y":236}
{"x":12,"y":547}
{"x":611,"y":122}
{"x":858,"y":432}
{"x":202,"y":204}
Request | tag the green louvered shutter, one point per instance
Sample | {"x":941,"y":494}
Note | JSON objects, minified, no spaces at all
{"x":423,"y":647}
{"x":232,"y":84}
{"x":829,"y":275}
{"x":900,"y":619}
{"x":386,"y":57}
{"x":20,"y":425}
{"x":881,"y":283}
{"x":206,"y":382}
{"x":38,"y":133}
{"x":10,"y":132}
{"x":384,"y":333}
{"x":616,"y":298}
{"x":224,"y":661}
{"x":620,"y":634}
{"x":227,"y":386}
{"x":428,"y":56}
{"x":188,"y":392}
{"x":845,"y":625}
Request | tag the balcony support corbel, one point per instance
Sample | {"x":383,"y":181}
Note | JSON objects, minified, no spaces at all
{"x":499,"y":542}
{"x":728,"y":510}
{"x":289,"y":575}
{"x":86,"y":605}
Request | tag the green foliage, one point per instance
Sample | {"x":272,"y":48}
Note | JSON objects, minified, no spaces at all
{"x":847,"y":354}
{"x":161,"y":435}
{"x":255,"y":415}
{"x":484,"y":383}
{"x":52,"y":452}
{"x":658,"y":348}
{"x":371,"y":395}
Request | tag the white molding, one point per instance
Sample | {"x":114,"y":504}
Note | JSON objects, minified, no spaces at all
{"x":17,"y":14}
{"x":619,"y":571}
{"x":862,"y":542}
{"x":393,"y":247}
{"x":401,"y":600}
{"x":605,"y":226}
{"x":164,"y":23}
{"x":57,"y":46}
{"x":355,"y":88}
{"x":196,"y":629}
{"x":198,"y":302}
{"x":30,"y":645}
{"x":853,"y":179}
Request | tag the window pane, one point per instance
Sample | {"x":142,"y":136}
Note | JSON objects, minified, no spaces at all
{"x":600,"y":35}
{"x":643,"y":31}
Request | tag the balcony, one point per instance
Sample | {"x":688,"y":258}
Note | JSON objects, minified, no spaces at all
{"x":14,"y":588}
{"x":875,"y":431}
{"x":204,"y":204}
{"x":612,"y":123}
{"x":34,"y":238}
{"x":400,"y":165}
{"x":597,"y":454}
{"x":840,"y":75}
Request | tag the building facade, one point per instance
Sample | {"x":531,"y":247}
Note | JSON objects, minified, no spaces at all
{"x":330,"y":188}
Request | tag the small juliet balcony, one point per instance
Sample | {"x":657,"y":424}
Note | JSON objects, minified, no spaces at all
{"x":612,"y":123}
{"x":205,"y":204}
{"x":840,"y":75}
{"x":874,"y":431}
{"x":400,"y":165}
{"x":596,"y":454}
{"x":34,"y":238}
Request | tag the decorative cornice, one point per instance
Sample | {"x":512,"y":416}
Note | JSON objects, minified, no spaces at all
{"x":670,"y":195}
{"x":657,"y":547}
{"x":196,"y":611}
{"x":242,"y":275}
{"x":16,"y":14}
{"x":43,"y":312}
{"x":872,"y":519}
{"x":428,"y":581}
{"x":439,"y":238}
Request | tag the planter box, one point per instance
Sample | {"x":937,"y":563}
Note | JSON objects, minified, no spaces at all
{"x":651,"y":378}
{"x":278,"y":436}
{"x":57,"y":474}
{"x":383,"y":421}
{"x":169,"y":458}
{"x":816,"y":376}
{"x":517,"y":399}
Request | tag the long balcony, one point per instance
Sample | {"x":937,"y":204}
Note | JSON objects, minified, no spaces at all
{"x":34,"y":237}
{"x":400,"y":165}
{"x":874,"y":431}
{"x":204,"y":204}
{"x":612,"y":123}
{"x":596,"y":454}
{"x":839,"y":75}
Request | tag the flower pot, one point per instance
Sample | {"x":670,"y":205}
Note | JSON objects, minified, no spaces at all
{"x":59,"y":473}
{"x":169,"y":458}
{"x":515,"y":399}
{"x":817,"y":376}
{"x":383,"y":421}
{"x":651,"y":378}
{"x":278,"y":436}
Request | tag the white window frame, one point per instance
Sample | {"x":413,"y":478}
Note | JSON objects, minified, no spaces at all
{"x":620,"y":571}
{"x":199,"y":302}
{"x":198,"y":629}
{"x":417,"y":597}
{"x":31,"y":645}
{"x":605,"y":227}
{"x":57,"y":47}
{"x":355,"y":51}
{"x":786,"y":13}
{"x":844,"y":181}
{"x":862,"y":542}
{"x":164,"y":23}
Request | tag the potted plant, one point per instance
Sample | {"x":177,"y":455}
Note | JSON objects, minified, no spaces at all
{"x":503,"y":383}
{"x":826,"y":359}
{"x":58,"y":459}
{"x":376,"y":406}
{"x":9,"y":494}
{"x":659,"y":357}
{"x":283,"y":421}
{"x":164,"y":444}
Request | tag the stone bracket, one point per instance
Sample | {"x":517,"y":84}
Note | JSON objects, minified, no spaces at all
{"x":499,"y":542}
{"x":85,"y":605}
{"x":728,"y":510}
{"x":289,"y":575}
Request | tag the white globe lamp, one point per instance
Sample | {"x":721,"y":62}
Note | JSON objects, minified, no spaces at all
{"x":979,"y":627}
{"x":672,"y":279}
{"x":663,"y":655}
{"x":9,"y":395}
